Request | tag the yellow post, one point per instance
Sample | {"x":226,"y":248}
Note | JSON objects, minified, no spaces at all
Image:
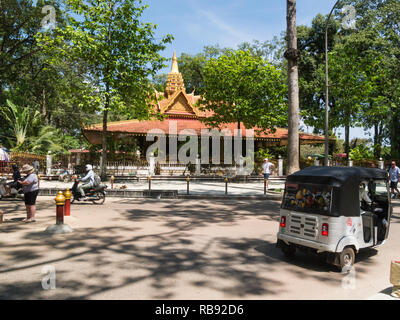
{"x":67,"y":208}
{"x":60,"y":203}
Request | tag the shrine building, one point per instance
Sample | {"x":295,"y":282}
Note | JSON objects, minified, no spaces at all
{"x":181,"y":112}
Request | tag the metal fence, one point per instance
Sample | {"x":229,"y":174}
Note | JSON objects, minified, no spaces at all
{"x":21,"y":158}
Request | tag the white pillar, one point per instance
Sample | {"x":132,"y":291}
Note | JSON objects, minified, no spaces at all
{"x":350,"y":163}
{"x":151,"y":164}
{"x":49,"y":159}
{"x":280,"y":166}
{"x":198,"y":166}
{"x":101,"y":162}
{"x":381,"y":164}
{"x":78,"y":159}
{"x":316,"y":162}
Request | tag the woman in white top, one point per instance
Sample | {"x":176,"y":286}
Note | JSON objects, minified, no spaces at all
{"x":30,"y":187}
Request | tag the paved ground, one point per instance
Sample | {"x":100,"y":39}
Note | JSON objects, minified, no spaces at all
{"x":174,"y":249}
{"x":196,"y":188}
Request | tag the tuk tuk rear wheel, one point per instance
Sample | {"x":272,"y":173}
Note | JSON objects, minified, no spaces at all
{"x":347,"y":257}
{"x":289,"y":250}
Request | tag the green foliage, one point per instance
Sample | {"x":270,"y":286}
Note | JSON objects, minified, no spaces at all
{"x":364,"y":77}
{"x":20,"y":120}
{"x":119,"y":52}
{"x":311,"y":150}
{"x":51,"y":139}
{"x":23,"y":138}
{"x":361,"y":152}
{"x":262,"y":154}
{"x":192,"y":66}
{"x":119,"y":55}
{"x":239,"y":87}
{"x":311,"y":43}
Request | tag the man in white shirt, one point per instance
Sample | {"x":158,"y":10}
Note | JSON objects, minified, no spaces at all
{"x":394,"y":173}
{"x":364,"y":195}
{"x":267,"y":170}
{"x":88,"y":180}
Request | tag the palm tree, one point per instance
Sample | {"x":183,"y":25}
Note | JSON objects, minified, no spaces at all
{"x":292,"y":55}
{"x":19,"y":119}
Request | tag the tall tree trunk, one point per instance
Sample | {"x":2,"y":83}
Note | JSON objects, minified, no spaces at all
{"x":292,"y":55}
{"x":380,"y":140}
{"x":378,"y":131}
{"x":395,"y":136}
{"x":347,"y":141}
{"x":43,"y":110}
{"x":103,"y":167}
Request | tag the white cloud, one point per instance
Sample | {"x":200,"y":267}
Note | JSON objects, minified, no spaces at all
{"x":224,"y":26}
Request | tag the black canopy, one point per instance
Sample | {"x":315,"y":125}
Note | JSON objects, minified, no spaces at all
{"x":344,"y":180}
{"x":336,"y":176}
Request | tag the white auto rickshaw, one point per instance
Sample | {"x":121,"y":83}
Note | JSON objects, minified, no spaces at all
{"x":335,"y":211}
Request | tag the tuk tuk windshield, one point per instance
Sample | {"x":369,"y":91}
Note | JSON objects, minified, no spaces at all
{"x":379,"y":188}
{"x":310,"y":198}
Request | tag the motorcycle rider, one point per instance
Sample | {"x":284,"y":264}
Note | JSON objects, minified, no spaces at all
{"x":14,"y":184}
{"x":88,"y":179}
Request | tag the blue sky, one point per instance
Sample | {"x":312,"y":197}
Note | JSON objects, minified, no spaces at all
{"x":195,"y":23}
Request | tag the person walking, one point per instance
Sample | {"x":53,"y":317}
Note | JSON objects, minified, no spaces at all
{"x":36,"y":165}
{"x":267,"y":170}
{"x":394,"y":173}
{"x":31,"y":190}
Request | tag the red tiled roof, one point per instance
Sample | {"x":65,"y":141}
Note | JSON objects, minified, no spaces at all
{"x":143,"y":127}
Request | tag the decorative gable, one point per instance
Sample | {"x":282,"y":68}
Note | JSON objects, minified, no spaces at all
{"x":179,"y":104}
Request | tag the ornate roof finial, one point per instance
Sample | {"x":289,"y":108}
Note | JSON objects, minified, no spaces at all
{"x":174,"y":68}
{"x":174,"y":79}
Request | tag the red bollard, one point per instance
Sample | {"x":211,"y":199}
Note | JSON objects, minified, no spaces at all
{"x":67,"y":208}
{"x":60,"y":203}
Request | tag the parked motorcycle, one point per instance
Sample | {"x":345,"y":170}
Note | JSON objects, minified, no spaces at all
{"x":14,"y":194}
{"x":96,"y":195}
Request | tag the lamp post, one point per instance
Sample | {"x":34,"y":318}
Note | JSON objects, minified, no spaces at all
{"x":326,"y":160}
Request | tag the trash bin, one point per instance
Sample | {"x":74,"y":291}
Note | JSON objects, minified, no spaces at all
{"x":395,"y":278}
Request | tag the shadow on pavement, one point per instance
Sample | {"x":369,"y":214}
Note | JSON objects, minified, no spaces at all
{"x":112,"y":258}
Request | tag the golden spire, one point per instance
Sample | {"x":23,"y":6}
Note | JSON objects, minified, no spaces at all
{"x":174,"y":68}
{"x":174,"y":79}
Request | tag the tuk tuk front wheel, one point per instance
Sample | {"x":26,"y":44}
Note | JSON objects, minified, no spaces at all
{"x":347,"y":257}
